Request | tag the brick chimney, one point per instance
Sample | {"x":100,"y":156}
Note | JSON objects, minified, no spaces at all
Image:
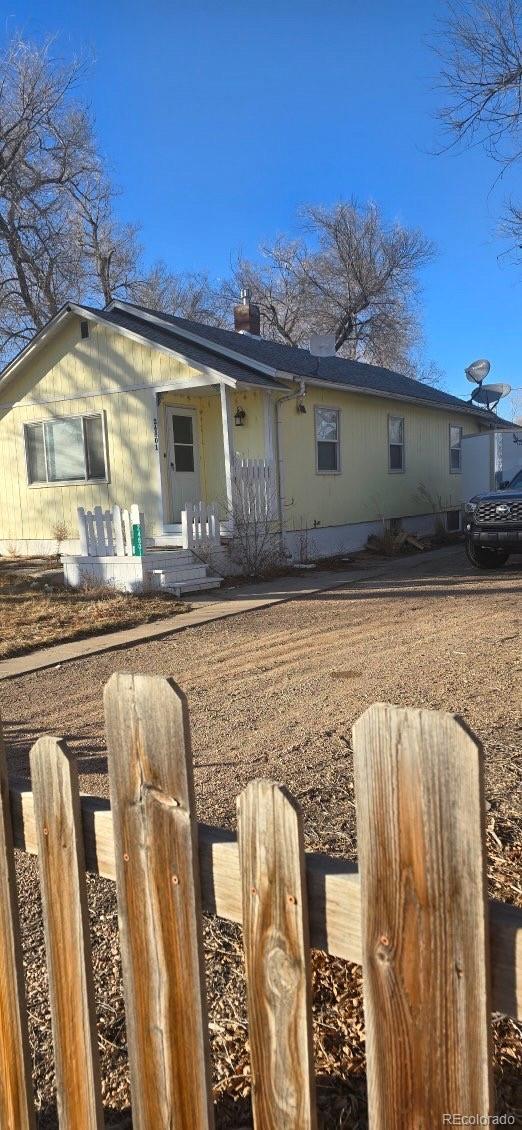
{"x":246,"y":315}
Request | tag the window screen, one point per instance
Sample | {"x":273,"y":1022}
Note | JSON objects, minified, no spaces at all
{"x":34,"y":443}
{"x":64,"y":450}
{"x":396,"y":443}
{"x":67,"y":450}
{"x":455,"y":448}
{"x":327,"y":439}
{"x":94,"y":447}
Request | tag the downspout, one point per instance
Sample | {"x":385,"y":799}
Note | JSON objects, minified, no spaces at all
{"x":300,"y":394}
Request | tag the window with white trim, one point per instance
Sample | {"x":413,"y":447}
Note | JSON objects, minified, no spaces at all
{"x":396,"y":443}
{"x":455,"y":448}
{"x":327,"y":439}
{"x":66,"y":450}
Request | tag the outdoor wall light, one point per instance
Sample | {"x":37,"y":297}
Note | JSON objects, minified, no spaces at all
{"x":240,"y":417}
{"x":301,"y":407}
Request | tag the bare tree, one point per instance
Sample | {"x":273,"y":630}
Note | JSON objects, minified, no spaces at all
{"x":482,"y":81}
{"x":482,"y":76}
{"x":189,"y":295}
{"x":46,"y":152}
{"x":59,"y":236}
{"x":349,"y":274}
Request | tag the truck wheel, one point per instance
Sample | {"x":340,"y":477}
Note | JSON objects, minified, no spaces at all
{"x":484,"y":558}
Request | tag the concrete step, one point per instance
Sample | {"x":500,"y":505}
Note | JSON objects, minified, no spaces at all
{"x":174,"y":556}
{"x":177,"y":574}
{"x":193,"y":586}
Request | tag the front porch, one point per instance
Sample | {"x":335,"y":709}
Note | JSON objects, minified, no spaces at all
{"x":216,"y":450}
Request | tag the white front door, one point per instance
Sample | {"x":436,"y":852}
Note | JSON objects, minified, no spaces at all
{"x":183,"y":459}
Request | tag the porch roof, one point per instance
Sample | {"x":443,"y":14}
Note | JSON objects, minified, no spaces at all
{"x":200,"y":355}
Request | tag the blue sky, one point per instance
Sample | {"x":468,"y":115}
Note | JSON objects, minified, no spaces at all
{"x":218,"y":118}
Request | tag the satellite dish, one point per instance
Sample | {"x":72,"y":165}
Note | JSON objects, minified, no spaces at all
{"x":477,"y":371}
{"x":490,"y":394}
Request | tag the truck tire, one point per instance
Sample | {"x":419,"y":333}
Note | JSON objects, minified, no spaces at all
{"x":483,"y":558}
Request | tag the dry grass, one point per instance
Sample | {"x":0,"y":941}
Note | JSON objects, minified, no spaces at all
{"x":35,"y":614}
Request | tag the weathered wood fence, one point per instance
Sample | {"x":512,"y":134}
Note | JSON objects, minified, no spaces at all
{"x":436,"y":957}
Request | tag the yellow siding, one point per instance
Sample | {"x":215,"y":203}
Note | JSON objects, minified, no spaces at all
{"x":68,"y":377}
{"x":71,"y":375}
{"x":100,"y":373}
{"x":365,"y":490}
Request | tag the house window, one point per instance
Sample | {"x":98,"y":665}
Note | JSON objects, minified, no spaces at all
{"x":396,"y":443}
{"x":327,"y":439}
{"x":69,"y":450}
{"x":453,"y":521}
{"x":455,"y":448}
{"x":183,"y":443}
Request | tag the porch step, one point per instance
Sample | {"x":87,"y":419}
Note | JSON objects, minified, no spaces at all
{"x":194,"y":586}
{"x":197,"y":584}
{"x":174,"y":555}
{"x":179,"y":573}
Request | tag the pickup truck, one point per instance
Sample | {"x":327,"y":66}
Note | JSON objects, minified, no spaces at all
{"x":493,"y":525}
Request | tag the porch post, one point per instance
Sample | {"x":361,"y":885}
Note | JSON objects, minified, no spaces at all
{"x":228,"y":446}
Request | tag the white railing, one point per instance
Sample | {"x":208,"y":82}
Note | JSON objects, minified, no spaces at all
{"x":111,"y":533}
{"x":253,"y":489}
{"x":199,"y":525}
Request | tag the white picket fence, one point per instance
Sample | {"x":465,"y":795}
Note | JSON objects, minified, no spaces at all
{"x":111,"y":533}
{"x":200,"y":525}
{"x":253,"y":489}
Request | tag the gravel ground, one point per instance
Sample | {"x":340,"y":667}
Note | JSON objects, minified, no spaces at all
{"x":275,"y":693}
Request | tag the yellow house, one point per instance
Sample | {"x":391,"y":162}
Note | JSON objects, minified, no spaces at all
{"x":126,"y":405}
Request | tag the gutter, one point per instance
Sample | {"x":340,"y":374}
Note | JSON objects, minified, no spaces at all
{"x":463,"y":408}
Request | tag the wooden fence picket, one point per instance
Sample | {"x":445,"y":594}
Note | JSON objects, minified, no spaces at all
{"x":66,"y":926}
{"x":277,"y":958}
{"x":16,"y":1093}
{"x":413,"y":911}
{"x":419,"y":795}
{"x":157,"y":877}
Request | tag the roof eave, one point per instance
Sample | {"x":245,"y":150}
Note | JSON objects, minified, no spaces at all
{"x":196,"y":339}
{"x":319,"y":382}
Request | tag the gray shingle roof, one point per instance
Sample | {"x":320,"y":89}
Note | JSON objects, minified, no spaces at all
{"x":193,"y":352}
{"x":289,"y":359}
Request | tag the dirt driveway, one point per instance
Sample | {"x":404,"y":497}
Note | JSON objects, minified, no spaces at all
{"x":275,"y":692}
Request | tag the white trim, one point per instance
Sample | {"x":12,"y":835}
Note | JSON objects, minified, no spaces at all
{"x":281,"y":374}
{"x":228,"y":445}
{"x":397,"y":470}
{"x":455,"y":470}
{"x":178,"y":386}
{"x":87,"y":315}
{"x":193,"y":414}
{"x":156,"y":319}
{"x":328,"y":408}
{"x":86,"y":481}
